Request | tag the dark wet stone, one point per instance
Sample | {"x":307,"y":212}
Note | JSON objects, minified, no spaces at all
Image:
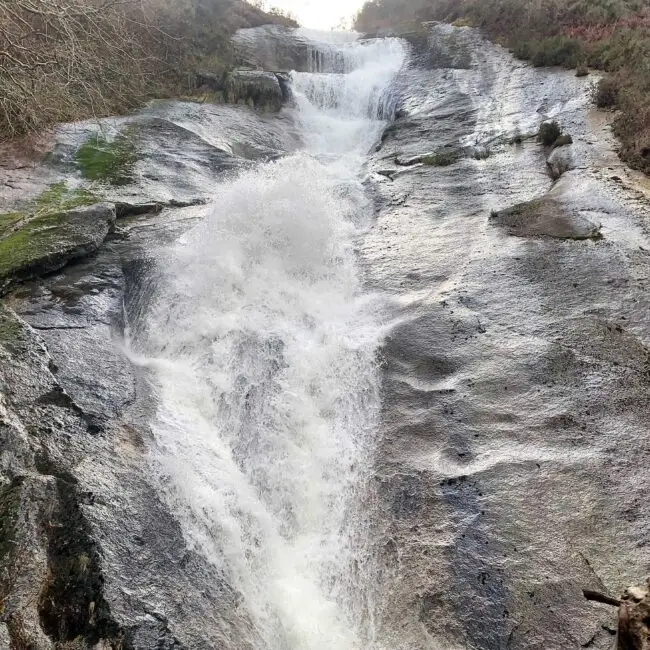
{"x":256,"y":88}
{"x":545,"y":217}
{"x":123,"y":209}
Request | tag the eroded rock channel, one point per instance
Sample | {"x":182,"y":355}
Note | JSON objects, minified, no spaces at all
{"x":366,"y":370}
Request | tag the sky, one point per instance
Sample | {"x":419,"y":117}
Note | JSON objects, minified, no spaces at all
{"x":319,"y":14}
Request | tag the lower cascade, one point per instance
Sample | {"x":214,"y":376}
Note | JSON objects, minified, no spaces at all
{"x":261,"y":348}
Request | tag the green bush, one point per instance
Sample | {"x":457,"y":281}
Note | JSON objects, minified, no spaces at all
{"x":524,"y":50}
{"x":556,"y":51}
{"x":549,"y":132}
{"x":606,"y":92}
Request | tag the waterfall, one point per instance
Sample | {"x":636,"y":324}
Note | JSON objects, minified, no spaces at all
{"x":262,"y":345}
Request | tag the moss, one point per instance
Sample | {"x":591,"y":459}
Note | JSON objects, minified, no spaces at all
{"x":549,"y":132}
{"x":39,"y":228}
{"x":36,"y":239}
{"x":462,"y":22}
{"x":11,"y":329}
{"x":9,"y":220}
{"x":112,"y":162}
{"x":440,"y":159}
{"x":26,"y":244}
{"x":58,"y":198}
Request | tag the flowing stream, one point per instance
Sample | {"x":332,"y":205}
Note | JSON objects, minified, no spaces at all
{"x":263,"y":347}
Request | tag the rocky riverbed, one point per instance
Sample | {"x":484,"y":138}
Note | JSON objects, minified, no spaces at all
{"x":507,"y":473}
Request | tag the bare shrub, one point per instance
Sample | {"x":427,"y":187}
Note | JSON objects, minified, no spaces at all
{"x":61,"y":59}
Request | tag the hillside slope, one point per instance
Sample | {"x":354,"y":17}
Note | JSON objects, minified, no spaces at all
{"x":610,"y":35}
{"x":82,"y":58}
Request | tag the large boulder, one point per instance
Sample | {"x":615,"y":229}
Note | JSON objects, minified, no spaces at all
{"x":561,"y":160}
{"x":43,"y":244}
{"x":257,"y":88}
{"x":546,"y":217}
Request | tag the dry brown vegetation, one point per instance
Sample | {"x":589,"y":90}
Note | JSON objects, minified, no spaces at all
{"x":68,"y":59}
{"x":611,"y":35}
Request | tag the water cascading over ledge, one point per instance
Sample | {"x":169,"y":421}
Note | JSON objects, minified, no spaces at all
{"x":261,"y":345}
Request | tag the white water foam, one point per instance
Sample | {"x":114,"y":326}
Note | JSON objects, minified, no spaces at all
{"x":263,"y":346}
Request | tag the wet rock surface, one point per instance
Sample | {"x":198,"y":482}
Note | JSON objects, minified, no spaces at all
{"x":89,"y":553}
{"x":516,"y":388}
{"x":46,"y":243}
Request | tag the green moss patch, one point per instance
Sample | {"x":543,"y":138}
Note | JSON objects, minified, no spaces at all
{"x":38,"y":225}
{"x":9,"y":220}
{"x":107,"y":161}
{"x":63,"y":224}
{"x":58,"y":197}
{"x":30,"y":242}
{"x":26,"y":235}
{"x":11,"y":329}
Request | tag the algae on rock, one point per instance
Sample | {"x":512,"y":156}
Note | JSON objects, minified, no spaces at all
{"x":47,"y":242}
{"x":110,"y":161}
{"x":59,"y":197}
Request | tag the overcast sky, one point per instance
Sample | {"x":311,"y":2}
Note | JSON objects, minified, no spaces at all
{"x":319,"y":14}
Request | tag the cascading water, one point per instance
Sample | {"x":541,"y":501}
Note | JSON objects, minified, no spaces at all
{"x":262,"y":346}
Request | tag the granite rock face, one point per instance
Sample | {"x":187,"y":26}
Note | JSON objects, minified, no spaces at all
{"x":47,"y":243}
{"x":90,"y":556}
{"x":515,"y":405}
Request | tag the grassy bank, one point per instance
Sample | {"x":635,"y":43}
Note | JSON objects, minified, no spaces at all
{"x":72,"y":59}
{"x":610,"y":35}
